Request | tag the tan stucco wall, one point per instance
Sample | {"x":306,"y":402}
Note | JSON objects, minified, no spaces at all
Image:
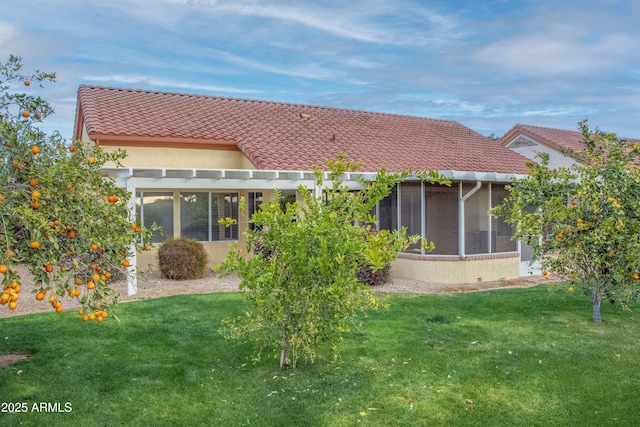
{"x":183,"y":158}
{"x":453,"y":272}
{"x":463,"y":271}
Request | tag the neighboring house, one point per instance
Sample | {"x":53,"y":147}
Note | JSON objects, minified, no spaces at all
{"x":529,"y":140}
{"x":190,"y":159}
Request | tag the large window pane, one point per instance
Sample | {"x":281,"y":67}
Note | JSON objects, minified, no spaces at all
{"x":194,"y":216}
{"x":287,"y":197}
{"x":501,"y":237}
{"x":441,"y":206}
{"x":231,"y":211}
{"x":224,"y":205}
{"x":200,"y":212}
{"x":156,"y":207}
{"x":476,"y":220}
{"x":254,"y":202}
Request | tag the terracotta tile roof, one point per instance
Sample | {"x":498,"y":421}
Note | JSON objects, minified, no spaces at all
{"x":281,"y":136}
{"x":553,"y":138}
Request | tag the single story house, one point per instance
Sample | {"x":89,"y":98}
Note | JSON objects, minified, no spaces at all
{"x":191,"y":158}
{"x":529,"y":140}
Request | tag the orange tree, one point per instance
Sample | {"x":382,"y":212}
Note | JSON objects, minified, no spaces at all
{"x":62,"y":224}
{"x":300,"y":274}
{"x":583,"y":222}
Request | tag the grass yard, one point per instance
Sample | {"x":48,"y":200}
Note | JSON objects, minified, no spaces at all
{"x":513,"y":357}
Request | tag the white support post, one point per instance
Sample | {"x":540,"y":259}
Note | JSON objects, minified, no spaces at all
{"x":398,"y":208}
{"x":461,"y":228}
{"x":423,"y":215}
{"x":489,"y":225}
{"x":132,"y":278}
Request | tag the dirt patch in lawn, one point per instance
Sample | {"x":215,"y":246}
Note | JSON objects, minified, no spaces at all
{"x":8,"y":359}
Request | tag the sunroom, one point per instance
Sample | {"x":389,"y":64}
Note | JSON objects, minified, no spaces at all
{"x":470,"y":245}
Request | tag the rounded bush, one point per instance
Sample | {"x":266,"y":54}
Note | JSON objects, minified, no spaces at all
{"x":182,"y":259}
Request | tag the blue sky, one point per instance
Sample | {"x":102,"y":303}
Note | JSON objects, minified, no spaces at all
{"x":486,"y":64}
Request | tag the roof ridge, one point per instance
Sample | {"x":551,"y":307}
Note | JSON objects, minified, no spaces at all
{"x":262,"y":101}
{"x":522,"y":125}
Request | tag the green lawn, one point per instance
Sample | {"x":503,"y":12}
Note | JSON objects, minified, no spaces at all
{"x":514,"y":357}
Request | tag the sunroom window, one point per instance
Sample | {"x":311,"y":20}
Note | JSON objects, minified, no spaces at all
{"x":200,"y":212}
{"x":156,"y":207}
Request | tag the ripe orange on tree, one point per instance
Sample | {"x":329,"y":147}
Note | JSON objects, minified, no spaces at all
{"x":27,"y":83}
{"x":33,"y":182}
{"x":635,"y":276}
{"x":92,"y":160}
{"x":34,"y":245}
{"x":3,"y":268}
{"x":35,"y":194}
{"x":25,"y":114}
{"x":72,"y":148}
{"x":35,"y":149}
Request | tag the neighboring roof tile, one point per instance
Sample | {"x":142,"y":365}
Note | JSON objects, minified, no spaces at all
{"x":292,"y":136}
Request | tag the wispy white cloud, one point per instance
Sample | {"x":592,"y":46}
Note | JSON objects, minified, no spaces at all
{"x":8,"y":31}
{"x":552,"y":53}
{"x":371,"y":22}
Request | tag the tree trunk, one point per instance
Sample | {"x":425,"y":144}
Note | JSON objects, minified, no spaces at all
{"x":284,"y":354}
{"x":596,"y":300}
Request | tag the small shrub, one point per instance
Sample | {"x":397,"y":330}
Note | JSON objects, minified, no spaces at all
{"x":182,"y":259}
{"x":369,"y":277}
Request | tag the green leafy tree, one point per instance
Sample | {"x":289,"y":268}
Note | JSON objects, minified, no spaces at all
{"x":61,"y":222}
{"x":300,"y":271}
{"x":583,"y":222}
